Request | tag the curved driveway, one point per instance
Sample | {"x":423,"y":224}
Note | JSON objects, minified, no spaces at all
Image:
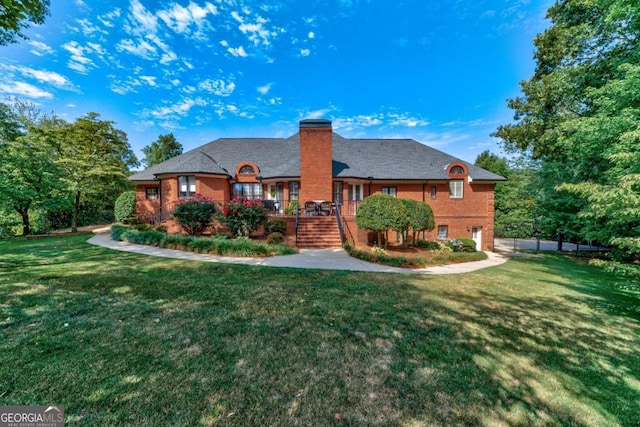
{"x":328,"y":259}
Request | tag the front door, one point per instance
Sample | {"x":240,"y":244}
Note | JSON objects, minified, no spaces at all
{"x":476,"y":235}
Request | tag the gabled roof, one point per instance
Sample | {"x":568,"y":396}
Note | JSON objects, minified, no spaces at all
{"x":391,"y":159}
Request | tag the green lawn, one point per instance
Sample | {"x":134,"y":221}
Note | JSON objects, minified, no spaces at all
{"x":125,"y":339}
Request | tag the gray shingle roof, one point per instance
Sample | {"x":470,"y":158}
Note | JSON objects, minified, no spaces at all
{"x":352,"y":158}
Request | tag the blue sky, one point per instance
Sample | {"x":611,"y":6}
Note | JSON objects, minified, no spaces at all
{"x":435,"y":71}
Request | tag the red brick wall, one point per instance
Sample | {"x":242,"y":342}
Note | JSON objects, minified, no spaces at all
{"x":315,"y":163}
{"x":475,"y":209}
{"x":145,"y":207}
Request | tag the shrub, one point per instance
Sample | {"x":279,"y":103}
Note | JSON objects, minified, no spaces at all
{"x":275,"y":238}
{"x":292,"y":208}
{"x":125,"y":207}
{"x":195,"y":214}
{"x":218,"y":245}
{"x":243,"y":216}
{"x":275,"y":225}
{"x":462,"y":244}
{"x":430,"y":245}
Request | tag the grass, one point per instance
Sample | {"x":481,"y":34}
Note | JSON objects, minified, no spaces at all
{"x":126,"y":339}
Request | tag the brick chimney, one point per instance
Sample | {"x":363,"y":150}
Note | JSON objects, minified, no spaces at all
{"x":316,"y":157}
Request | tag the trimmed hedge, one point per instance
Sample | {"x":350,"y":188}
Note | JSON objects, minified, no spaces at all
{"x":124,"y":209}
{"x":216,"y":245}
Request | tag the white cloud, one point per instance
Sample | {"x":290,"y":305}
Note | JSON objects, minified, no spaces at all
{"x":125,"y":87}
{"x":40,"y":48}
{"x":143,"y":49}
{"x":107,"y":19}
{"x":147,"y":20}
{"x":150,"y":80}
{"x":316,"y":114}
{"x":42,"y":76}
{"x":264,"y":89}
{"x":217,"y":87}
{"x":312,"y":35}
{"x":78,"y":61}
{"x":24,"y":89}
{"x":87,"y":28}
{"x":257,"y":31}
{"x":178,"y":109}
{"x":305,"y":52}
{"x":239,"y":51}
{"x":168,"y":57}
{"x":405,"y":120}
{"x":224,"y":43}
{"x":180,"y":19}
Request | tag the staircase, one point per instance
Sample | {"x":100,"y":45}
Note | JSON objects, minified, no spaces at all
{"x":318,"y":232}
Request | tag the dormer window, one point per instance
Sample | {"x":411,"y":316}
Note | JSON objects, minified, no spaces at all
{"x":246,"y":170}
{"x":456,"y":170}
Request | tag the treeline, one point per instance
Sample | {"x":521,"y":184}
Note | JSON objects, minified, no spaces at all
{"x":578,"y":120}
{"x":57,"y":174}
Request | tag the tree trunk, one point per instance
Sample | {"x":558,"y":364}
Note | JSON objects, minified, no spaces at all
{"x":26,"y":226}
{"x":76,"y":213}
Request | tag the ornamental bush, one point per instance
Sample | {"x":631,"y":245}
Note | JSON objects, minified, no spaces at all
{"x":462,"y":244}
{"x":243,"y":216}
{"x":195,"y":214}
{"x":275,"y":225}
{"x":275,"y":238}
{"x":125,"y":207}
{"x":381,"y":213}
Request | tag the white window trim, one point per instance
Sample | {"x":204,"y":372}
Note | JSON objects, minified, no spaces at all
{"x":445,"y":229}
{"x":454,"y":186}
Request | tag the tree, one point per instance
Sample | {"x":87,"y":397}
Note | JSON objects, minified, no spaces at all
{"x":516,"y":209}
{"x":28,"y":174}
{"x":163,"y":149}
{"x":95,"y":158}
{"x":381,"y":213}
{"x":420,"y":218}
{"x":15,"y":16}
{"x":579,"y":116}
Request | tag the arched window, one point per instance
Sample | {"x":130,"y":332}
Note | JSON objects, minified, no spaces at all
{"x":247,"y":169}
{"x":456,"y":170}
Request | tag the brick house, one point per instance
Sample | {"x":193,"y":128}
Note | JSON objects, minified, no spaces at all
{"x":317,"y":165}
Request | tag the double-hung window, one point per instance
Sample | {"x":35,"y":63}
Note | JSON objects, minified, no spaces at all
{"x":152,"y":193}
{"x":443,"y":232}
{"x":392,"y":191}
{"x":455,"y":189}
{"x":186,"y":186}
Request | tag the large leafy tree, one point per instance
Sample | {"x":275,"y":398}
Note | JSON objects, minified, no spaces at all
{"x":579,"y":115}
{"x":15,"y":16}
{"x":164,"y":148}
{"x":95,"y":158}
{"x":28,"y":174}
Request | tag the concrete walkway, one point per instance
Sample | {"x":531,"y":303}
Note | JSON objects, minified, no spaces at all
{"x":327,"y":259}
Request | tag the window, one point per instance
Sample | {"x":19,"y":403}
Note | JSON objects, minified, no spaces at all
{"x":247,"y":169}
{"x":456,"y":170}
{"x":247,"y":190}
{"x":186,"y":186}
{"x":294,"y":190}
{"x":355,"y":192}
{"x":434,"y":191}
{"x":443,"y":232}
{"x":392,"y":191}
{"x":455,"y":189}
{"x":153,"y":193}
{"x":337,"y":193}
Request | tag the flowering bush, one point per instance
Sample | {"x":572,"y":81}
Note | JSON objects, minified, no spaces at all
{"x":195,"y":214}
{"x":243,"y":216}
